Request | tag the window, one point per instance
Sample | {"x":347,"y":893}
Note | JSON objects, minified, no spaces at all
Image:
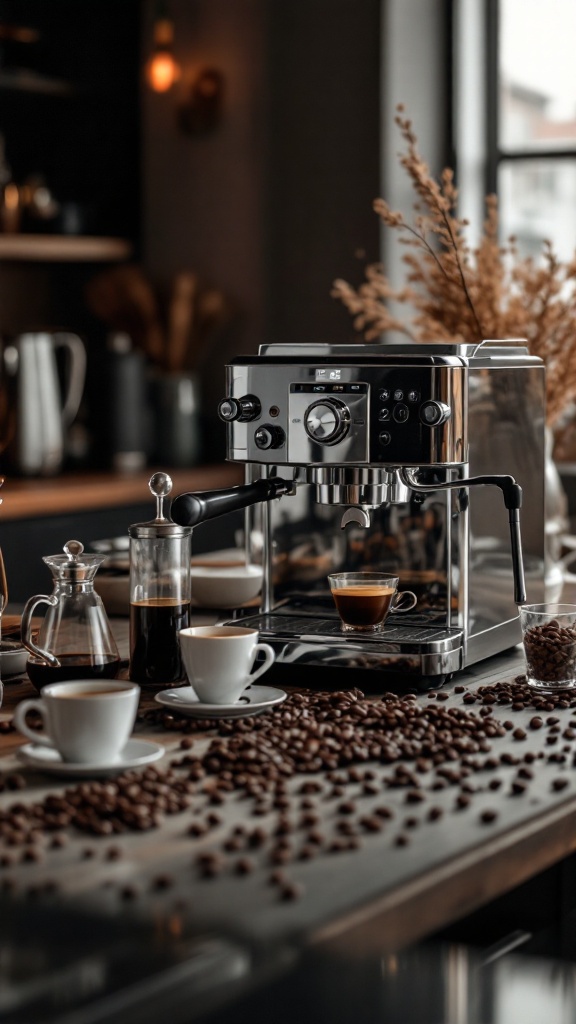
{"x":530,"y":120}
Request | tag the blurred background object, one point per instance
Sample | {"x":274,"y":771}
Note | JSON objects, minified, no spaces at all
{"x":198,"y":220}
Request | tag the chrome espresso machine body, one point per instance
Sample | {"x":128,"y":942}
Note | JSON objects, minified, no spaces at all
{"x":394,"y":458}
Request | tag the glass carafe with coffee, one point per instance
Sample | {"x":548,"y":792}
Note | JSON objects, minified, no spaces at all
{"x":75,"y":640}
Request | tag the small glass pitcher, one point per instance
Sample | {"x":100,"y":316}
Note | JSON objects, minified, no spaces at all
{"x":75,"y":639}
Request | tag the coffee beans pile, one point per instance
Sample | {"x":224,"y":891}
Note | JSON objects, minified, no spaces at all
{"x":132,"y":802}
{"x":519,"y":695}
{"x":551,"y":652}
{"x":314,"y":774}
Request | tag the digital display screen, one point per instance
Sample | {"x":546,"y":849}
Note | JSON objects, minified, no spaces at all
{"x":329,"y":374}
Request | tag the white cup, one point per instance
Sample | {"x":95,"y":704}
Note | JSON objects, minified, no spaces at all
{"x":86,"y":722}
{"x":219,"y":660}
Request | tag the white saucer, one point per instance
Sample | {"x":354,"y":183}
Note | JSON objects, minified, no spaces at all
{"x":254,"y":700}
{"x":46,"y":759}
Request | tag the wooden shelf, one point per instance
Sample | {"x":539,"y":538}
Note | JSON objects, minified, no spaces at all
{"x":24,"y":80}
{"x":62,"y":248}
{"x":29,"y":499}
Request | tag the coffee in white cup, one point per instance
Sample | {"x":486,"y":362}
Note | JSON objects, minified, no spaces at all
{"x":86,"y":722}
{"x":219,"y":661}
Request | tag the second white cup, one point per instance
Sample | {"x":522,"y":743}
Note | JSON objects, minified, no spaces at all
{"x":219,"y":661}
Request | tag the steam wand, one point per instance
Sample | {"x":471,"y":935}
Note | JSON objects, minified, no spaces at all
{"x":512,"y":493}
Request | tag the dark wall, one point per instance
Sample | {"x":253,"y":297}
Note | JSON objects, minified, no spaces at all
{"x":324,"y":134}
{"x":276,"y":201}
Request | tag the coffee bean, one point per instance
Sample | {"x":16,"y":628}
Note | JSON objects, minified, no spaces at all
{"x":517,"y":787}
{"x":488,"y":816}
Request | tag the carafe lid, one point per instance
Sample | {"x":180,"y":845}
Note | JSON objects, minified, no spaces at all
{"x":162,"y":526}
{"x":74,"y":566}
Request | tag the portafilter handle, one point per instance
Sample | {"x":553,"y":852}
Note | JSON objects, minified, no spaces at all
{"x":197,"y":506}
{"x":512,"y":493}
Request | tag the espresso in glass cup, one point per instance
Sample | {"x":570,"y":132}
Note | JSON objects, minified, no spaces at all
{"x":365,"y":599}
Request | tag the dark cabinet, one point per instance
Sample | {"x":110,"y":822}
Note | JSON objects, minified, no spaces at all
{"x":69,"y":112}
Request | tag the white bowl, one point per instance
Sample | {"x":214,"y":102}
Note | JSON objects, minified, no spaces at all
{"x":13,"y":658}
{"x":225,"y":586}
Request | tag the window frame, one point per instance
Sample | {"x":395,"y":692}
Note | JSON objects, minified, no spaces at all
{"x":495,"y":153}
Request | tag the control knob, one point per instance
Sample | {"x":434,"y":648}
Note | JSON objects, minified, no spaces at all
{"x":434,"y":413}
{"x":269,"y":436}
{"x":327,"y":421}
{"x":240,"y":409}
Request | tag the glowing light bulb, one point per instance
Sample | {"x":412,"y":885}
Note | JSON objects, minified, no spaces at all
{"x":162,"y":71}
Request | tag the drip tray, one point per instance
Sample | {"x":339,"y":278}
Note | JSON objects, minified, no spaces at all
{"x":409,"y":636}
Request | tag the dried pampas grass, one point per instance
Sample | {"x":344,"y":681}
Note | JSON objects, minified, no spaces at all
{"x":463,"y":294}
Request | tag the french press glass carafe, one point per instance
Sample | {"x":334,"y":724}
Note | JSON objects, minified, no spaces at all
{"x":75,"y":640}
{"x":159,"y":593}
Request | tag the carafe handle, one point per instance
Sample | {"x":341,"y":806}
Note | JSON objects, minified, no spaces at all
{"x":76,"y":374}
{"x":26,"y":628}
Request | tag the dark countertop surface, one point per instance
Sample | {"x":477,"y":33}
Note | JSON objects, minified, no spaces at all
{"x":389,"y":889}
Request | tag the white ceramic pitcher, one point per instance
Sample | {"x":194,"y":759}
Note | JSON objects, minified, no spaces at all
{"x":38,"y":411}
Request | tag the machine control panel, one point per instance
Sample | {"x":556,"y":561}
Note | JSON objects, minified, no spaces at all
{"x":386,"y":413}
{"x":327,"y":416}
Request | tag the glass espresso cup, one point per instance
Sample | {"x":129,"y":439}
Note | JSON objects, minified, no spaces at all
{"x":365,"y":599}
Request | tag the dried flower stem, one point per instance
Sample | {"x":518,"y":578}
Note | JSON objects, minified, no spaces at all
{"x":459,"y":294}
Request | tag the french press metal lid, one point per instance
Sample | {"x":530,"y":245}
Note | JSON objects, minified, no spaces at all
{"x":160,"y":485}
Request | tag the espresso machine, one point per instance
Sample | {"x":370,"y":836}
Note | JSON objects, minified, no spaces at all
{"x":409,"y":459}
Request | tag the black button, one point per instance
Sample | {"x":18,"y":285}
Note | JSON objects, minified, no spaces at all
{"x":384,"y":415}
{"x":431,"y":413}
{"x":385,"y":437}
{"x":413,"y":396}
{"x":401,"y":413}
{"x":398,"y":395}
{"x":384,"y":394}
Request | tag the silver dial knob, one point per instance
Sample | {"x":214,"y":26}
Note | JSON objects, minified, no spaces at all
{"x":327,"y":421}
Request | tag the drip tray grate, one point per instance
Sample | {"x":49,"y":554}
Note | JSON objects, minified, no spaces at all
{"x":327,"y":630}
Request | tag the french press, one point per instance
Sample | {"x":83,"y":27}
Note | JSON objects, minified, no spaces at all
{"x":160,"y":553}
{"x":75,"y":640}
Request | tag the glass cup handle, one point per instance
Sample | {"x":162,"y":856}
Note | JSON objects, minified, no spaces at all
{"x":402,"y":605}
{"x":20,"y":713}
{"x":269,"y":656}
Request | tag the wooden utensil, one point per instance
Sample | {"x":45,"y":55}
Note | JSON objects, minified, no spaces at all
{"x":124,"y":298}
{"x":181,"y":320}
{"x":213,"y":313}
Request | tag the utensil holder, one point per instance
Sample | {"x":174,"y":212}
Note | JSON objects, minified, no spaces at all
{"x":174,"y":400}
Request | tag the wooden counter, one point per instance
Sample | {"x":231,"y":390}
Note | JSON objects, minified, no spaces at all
{"x":27,"y":498}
